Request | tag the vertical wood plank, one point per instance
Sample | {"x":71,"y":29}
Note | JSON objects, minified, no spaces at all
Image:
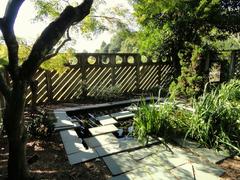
{"x":49,"y":86}
{"x":84,"y":76}
{"x":137,"y":60}
{"x":113,"y":72}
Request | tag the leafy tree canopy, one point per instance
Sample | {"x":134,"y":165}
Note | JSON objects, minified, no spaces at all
{"x":185,"y":32}
{"x":167,"y":25}
{"x":101,"y":17}
{"x":124,"y":41}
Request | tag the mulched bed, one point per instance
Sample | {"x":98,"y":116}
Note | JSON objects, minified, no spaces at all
{"x":52,"y":162}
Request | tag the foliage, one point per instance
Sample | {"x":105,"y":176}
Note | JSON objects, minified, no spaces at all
{"x":123,"y":40}
{"x":104,"y":48}
{"x":162,"y":120}
{"x":107,"y":93}
{"x":193,"y":76}
{"x":232,"y":43}
{"x":101,"y":18}
{"x":24,"y":51}
{"x":41,"y":126}
{"x":216,"y":120}
{"x":57,"y":63}
{"x":179,"y":31}
{"x":214,"y":123}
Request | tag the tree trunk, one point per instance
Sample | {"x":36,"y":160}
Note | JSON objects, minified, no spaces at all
{"x":17,"y":165}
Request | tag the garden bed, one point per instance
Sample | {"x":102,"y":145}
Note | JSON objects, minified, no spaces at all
{"x":52,"y":162}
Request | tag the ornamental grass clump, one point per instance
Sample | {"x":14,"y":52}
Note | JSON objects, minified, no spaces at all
{"x":216,"y":120}
{"x":159,"y":121}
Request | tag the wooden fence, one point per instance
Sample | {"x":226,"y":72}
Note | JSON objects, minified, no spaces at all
{"x":93,"y":72}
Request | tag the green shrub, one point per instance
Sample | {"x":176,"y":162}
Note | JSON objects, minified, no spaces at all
{"x":41,"y":126}
{"x":162,"y":121}
{"x":216,"y":120}
{"x":108,"y":93}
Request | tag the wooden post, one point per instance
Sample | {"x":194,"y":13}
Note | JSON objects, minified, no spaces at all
{"x":49,"y":86}
{"x":159,"y":72}
{"x":84,"y":77}
{"x":34,"y":90}
{"x":137,"y":60}
{"x":113,"y":63}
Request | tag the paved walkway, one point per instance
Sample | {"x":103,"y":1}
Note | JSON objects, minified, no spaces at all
{"x":126,"y":158}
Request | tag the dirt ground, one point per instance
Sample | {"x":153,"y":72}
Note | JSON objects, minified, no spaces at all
{"x":51,"y":163}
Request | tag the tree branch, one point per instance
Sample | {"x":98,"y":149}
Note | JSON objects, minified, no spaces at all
{"x":51,"y":35}
{"x":11,"y":12}
{"x":6,"y":25}
{"x":108,"y":18}
{"x":59,"y":47}
{"x":4,"y":89}
{"x":1,"y":23}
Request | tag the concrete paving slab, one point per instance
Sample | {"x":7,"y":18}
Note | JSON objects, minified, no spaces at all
{"x":122,"y":177}
{"x":106,"y":119}
{"x":192,"y":171}
{"x":63,"y":123}
{"x":153,"y":160}
{"x":209,"y":168}
{"x":146,"y":173}
{"x":60,"y":114}
{"x":73,"y":146}
{"x":158,"y":173}
{"x":179,"y":157}
{"x":185,"y":172}
{"x":120,"y":163}
{"x":123,"y":115}
{"x":82,"y":156}
{"x":163,"y":157}
{"x":108,"y":149}
{"x":68,"y":135}
{"x":129,"y":143}
{"x":140,"y":153}
{"x":101,"y":140}
{"x":136,"y":174}
{"x":210,"y":154}
{"x":103,"y":129}
{"x":122,"y":145}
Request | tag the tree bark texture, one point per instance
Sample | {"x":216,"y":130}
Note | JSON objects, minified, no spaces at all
{"x":14,"y":123}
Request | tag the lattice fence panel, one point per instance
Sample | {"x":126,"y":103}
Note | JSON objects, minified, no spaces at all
{"x":148,"y":77}
{"x":97,"y":79}
{"x":166,"y":75}
{"x":125,"y":78}
{"x":42,"y":95}
{"x":66,"y":86}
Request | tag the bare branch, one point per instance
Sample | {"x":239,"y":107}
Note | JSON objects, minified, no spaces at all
{"x":52,"y":34}
{"x":4,"y":89}
{"x":59,"y":47}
